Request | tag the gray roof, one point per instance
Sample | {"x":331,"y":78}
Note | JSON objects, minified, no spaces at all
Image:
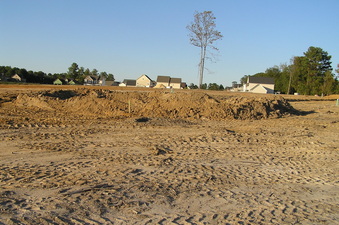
{"x":130,"y":82}
{"x":261,"y":80}
{"x":92,"y":77}
{"x":175,"y":80}
{"x":163,"y":79}
{"x":109,"y":82}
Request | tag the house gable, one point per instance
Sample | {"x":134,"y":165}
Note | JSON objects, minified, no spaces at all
{"x":144,"y":81}
{"x":57,"y":82}
{"x":16,"y":77}
{"x":88,"y":78}
{"x":93,"y":80}
{"x":144,"y":77}
{"x":260,"y":85}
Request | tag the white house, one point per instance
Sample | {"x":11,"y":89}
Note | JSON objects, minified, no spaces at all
{"x":264,"y":85}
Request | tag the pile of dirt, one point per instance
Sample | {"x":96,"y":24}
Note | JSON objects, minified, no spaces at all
{"x":156,"y":104}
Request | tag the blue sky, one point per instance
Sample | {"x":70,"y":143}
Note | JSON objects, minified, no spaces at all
{"x":134,"y":37}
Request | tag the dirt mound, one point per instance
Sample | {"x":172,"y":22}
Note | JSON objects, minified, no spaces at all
{"x":25,"y":100}
{"x":156,"y":104}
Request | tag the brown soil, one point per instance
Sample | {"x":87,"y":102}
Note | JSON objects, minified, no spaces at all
{"x":121,"y":104}
{"x":93,"y":155}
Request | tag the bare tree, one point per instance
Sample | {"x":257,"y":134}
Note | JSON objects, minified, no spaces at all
{"x":203,"y":34}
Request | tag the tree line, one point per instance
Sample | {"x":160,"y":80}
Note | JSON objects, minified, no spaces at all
{"x":310,"y":74}
{"x":79,"y":73}
{"x":210,"y":86}
{"x":29,"y":76}
{"x":75,"y":73}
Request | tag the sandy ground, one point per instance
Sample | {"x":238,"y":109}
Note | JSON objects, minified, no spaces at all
{"x":76,"y":168}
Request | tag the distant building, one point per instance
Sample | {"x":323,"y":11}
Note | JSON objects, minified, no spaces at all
{"x":264,"y":85}
{"x":71,"y":82}
{"x":183,"y":85}
{"x":102,"y":81}
{"x":168,"y":82}
{"x":163,"y":81}
{"x":57,"y":82}
{"x":109,"y":82}
{"x":145,"y":81}
{"x":95,"y":80}
{"x":16,"y":78}
{"x":128,"y":83}
{"x":235,"y":87}
{"x":91,"y":80}
{"x":115,"y":83}
{"x":175,"y":83}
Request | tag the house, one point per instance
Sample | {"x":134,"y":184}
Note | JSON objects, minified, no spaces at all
{"x":236,"y":87}
{"x":144,"y":81}
{"x":109,"y":82}
{"x":128,"y":83}
{"x":91,"y":80}
{"x":57,"y":82}
{"x":95,"y":80}
{"x":168,"y":82}
{"x":183,"y":85}
{"x":175,"y":83}
{"x":16,"y":78}
{"x":163,"y":81}
{"x":102,"y":81}
{"x":264,"y":85}
{"x":71,"y":82}
{"x":115,"y":83}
